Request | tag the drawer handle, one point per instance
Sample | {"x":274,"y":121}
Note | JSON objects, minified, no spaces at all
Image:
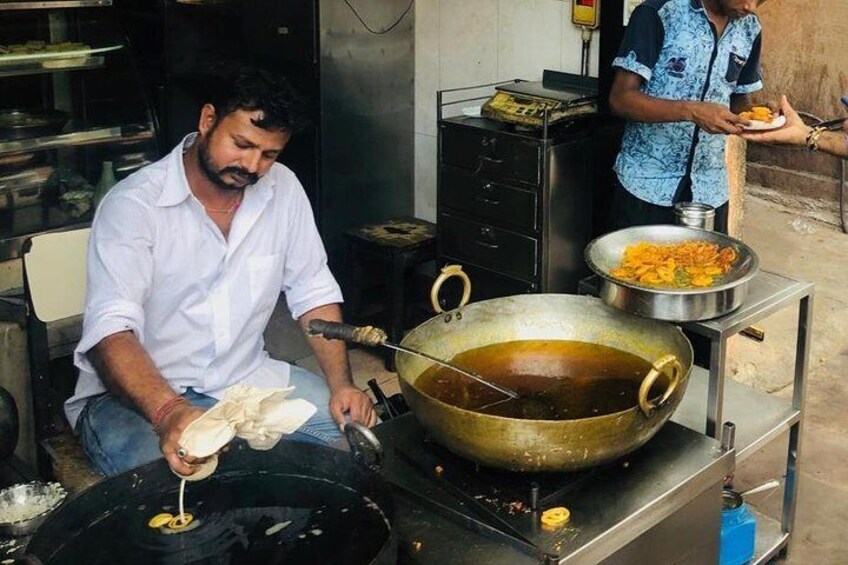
{"x":486,"y":244}
{"x":491,"y":160}
{"x":488,"y":189}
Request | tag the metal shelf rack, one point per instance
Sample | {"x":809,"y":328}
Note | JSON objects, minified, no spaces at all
{"x":92,"y":79}
{"x":53,"y":5}
{"x":39,"y":68}
{"x":760,"y":418}
{"x":123,"y":134}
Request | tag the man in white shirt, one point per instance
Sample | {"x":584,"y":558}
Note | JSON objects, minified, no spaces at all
{"x":186,"y":261}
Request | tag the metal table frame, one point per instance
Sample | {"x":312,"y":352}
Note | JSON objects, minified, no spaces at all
{"x":671,"y":484}
{"x":769,"y":293}
{"x":760,"y":418}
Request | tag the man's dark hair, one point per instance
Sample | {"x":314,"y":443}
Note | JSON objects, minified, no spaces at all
{"x":254,"y":89}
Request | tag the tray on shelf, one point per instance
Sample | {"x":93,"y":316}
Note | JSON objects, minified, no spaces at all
{"x":22,"y":123}
{"x":52,"y":66}
{"x":52,"y":4}
{"x":23,"y":188}
{"x":120,"y":134}
{"x":48,"y":56}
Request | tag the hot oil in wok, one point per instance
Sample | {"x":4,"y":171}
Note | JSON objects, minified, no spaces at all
{"x":555,"y":380}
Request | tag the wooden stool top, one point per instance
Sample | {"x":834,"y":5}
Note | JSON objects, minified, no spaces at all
{"x":403,"y":234}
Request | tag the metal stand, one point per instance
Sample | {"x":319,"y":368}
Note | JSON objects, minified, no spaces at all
{"x":660,"y":504}
{"x":769,"y":293}
{"x":760,"y":418}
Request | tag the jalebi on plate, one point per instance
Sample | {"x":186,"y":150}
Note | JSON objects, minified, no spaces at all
{"x":758,"y":113}
{"x":688,"y":264}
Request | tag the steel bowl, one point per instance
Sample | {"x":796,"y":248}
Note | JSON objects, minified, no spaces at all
{"x":673,"y":305}
{"x":33,"y":502}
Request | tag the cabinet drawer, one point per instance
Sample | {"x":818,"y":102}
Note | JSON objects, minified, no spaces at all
{"x":488,"y":200}
{"x":492,"y":155}
{"x":487,"y":246}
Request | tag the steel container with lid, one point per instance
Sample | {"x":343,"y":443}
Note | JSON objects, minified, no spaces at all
{"x":695,"y":215}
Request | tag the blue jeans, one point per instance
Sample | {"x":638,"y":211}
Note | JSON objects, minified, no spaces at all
{"x":116,"y":437}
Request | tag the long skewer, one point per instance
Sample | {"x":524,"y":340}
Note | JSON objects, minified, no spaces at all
{"x":368,"y":335}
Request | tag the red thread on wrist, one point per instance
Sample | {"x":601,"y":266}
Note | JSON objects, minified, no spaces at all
{"x":165,"y":409}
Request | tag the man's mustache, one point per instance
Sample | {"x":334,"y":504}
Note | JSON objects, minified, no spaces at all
{"x":252,"y":178}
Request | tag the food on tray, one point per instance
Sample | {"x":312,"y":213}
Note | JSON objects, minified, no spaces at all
{"x":758,"y":114}
{"x":688,"y":264}
{"x":32,"y":47}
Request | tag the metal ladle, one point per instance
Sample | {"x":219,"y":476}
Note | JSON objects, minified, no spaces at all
{"x":764,"y":487}
{"x":372,"y":336}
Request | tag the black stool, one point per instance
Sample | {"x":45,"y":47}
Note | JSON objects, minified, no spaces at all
{"x":399,"y":245}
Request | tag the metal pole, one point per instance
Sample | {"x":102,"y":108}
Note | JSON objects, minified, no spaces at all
{"x":715,"y":396}
{"x":790,"y":492}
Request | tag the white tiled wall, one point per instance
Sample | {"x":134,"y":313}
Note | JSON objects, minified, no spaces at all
{"x":462,"y":43}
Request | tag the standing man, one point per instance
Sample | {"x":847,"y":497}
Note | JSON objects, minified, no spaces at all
{"x":186,"y":261}
{"x":684,"y":71}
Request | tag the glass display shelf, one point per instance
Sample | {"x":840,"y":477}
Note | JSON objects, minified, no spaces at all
{"x":53,"y":5}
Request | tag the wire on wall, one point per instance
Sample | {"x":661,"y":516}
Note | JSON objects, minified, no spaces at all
{"x":586,"y":37}
{"x":388,"y":29}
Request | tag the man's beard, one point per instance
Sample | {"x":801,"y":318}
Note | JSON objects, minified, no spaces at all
{"x":215,"y":175}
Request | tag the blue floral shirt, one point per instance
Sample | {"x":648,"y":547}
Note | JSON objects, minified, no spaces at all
{"x":672,"y":45}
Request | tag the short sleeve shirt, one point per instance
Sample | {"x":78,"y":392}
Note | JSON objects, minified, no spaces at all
{"x":672,"y":45}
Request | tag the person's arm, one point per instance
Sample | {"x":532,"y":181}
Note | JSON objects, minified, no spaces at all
{"x":795,"y":133}
{"x":128,"y":371}
{"x":120,"y":270}
{"x":628,"y":101}
{"x":333,"y":360}
{"x":835,"y":142}
{"x":312,"y":292}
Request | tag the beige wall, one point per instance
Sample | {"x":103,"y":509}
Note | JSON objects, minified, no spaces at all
{"x":805,"y":56}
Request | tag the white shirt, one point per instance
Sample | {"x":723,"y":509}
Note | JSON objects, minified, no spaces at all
{"x":199,"y":303}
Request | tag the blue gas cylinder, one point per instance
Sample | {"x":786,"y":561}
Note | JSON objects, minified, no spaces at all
{"x":738,"y":530}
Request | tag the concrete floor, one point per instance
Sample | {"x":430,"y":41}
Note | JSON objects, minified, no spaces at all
{"x":806,"y":250}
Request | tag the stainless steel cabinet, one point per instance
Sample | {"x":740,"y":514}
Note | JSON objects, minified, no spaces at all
{"x":515,"y":206}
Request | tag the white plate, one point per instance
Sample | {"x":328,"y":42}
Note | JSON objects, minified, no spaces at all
{"x":757,"y":125}
{"x":472,"y":111}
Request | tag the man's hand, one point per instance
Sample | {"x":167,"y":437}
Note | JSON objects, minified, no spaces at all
{"x":355,"y":402}
{"x":170,"y":429}
{"x":715,"y":118}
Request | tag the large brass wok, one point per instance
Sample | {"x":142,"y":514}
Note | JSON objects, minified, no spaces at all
{"x":546,"y":445}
